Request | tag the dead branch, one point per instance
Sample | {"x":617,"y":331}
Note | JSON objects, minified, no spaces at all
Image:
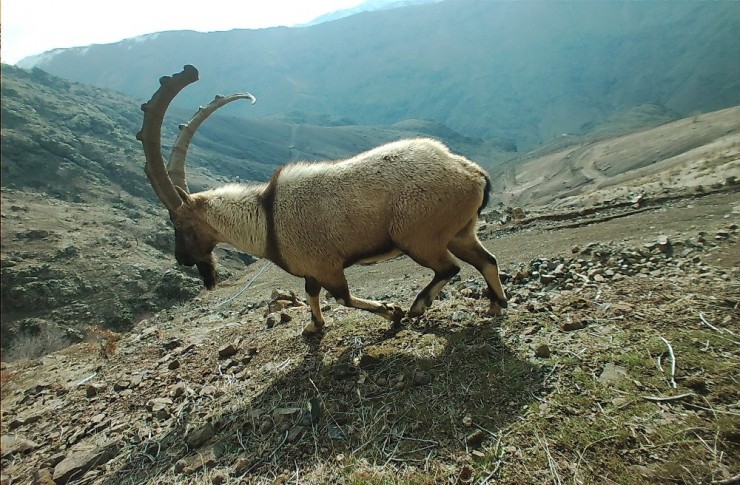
{"x":668,"y":398}
{"x":673,"y":362}
{"x":728,"y":481}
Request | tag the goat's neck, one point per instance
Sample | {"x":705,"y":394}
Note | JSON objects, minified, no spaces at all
{"x":237,"y":214}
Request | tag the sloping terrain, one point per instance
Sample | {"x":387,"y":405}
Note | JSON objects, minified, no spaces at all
{"x":615,"y":363}
{"x":677,"y":156}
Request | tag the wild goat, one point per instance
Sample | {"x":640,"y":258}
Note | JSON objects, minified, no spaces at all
{"x":316,"y":219}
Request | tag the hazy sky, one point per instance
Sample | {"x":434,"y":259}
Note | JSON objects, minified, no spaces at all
{"x":33,"y":26}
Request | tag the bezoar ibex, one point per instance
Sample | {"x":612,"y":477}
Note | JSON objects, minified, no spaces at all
{"x":316,"y":219}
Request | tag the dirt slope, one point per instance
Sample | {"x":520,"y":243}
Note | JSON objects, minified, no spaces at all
{"x":698,"y":151}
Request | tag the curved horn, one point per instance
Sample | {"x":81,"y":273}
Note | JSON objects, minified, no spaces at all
{"x":151,"y":134}
{"x":176,"y":167}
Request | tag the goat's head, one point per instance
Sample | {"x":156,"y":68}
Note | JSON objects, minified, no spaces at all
{"x":194,"y":237}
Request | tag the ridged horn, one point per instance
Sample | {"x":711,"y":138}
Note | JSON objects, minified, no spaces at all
{"x":176,"y":166}
{"x":151,"y":134}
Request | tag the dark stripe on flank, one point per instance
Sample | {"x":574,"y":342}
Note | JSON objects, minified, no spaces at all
{"x":268,"y":205}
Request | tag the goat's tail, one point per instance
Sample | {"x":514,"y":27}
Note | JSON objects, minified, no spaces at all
{"x":486,"y":194}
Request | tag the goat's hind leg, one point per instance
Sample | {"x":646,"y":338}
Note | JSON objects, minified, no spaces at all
{"x":466,"y":246}
{"x":444,"y":269}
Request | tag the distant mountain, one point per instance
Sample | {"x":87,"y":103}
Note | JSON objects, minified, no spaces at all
{"x":524,"y":72}
{"x":368,"y":6}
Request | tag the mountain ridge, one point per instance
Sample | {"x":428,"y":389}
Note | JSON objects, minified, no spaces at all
{"x":525,"y":72}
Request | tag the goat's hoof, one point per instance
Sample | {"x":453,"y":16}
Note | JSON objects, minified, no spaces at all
{"x":311,"y":330}
{"x":414,"y":313}
{"x":495,"y":310}
{"x":395,"y":313}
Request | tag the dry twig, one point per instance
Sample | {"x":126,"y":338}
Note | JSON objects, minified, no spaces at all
{"x":668,"y":398}
{"x":728,"y":481}
{"x":550,"y":460}
{"x":673,"y":362}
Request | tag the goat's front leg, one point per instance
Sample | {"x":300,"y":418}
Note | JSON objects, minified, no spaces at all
{"x":313,"y":288}
{"x":337,"y":286}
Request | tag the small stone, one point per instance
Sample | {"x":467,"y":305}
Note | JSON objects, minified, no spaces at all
{"x":194,"y":463}
{"x":722,"y":234}
{"x":279,"y":305}
{"x":227,"y":351}
{"x":172,"y":344}
{"x":422,"y":378}
{"x":467,"y":420}
{"x":542,"y":351}
{"x":79,"y":463}
{"x":200,"y":436}
{"x":43,"y":477}
{"x":612,"y":372}
{"x":11,"y":444}
{"x":476,"y":438}
{"x":547,"y":278}
{"x":177,"y":390}
{"x":368,"y":360}
{"x":159,"y":407}
{"x":570,"y":326}
{"x":664,"y":244}
{"x":93,"y":390}
{"x":175,"y":364}
{"x":285,"y":318}
{"x":54,"y":460}
{"x":295,"y":434}
{"x":271,"y":320}
{"x":121,"y":385}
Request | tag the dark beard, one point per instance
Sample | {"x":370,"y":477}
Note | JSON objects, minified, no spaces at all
{"x":207,"y":270}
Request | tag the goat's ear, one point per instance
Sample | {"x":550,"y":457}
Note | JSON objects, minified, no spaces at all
{"x":186,"y":198}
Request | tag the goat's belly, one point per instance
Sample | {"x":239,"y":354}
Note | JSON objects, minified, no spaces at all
{"x":379,"y":257}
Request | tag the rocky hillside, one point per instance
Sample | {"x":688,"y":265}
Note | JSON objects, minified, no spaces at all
{"x":616,"y":358}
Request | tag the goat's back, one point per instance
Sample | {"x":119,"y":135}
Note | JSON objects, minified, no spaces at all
{"x":380,"y":198}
